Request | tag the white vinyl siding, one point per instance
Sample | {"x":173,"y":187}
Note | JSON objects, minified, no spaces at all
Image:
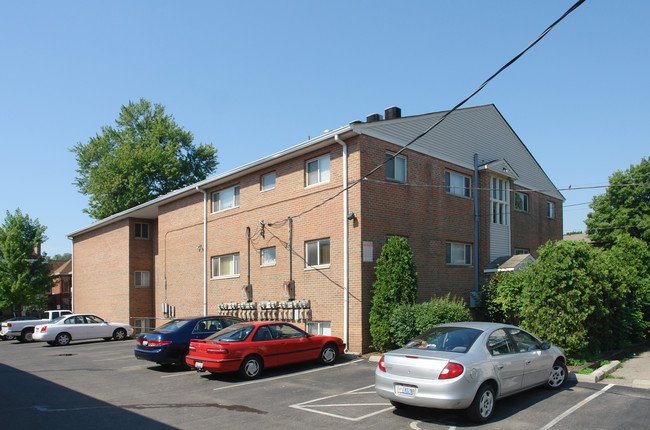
{"x":225,"y":266}
{"x":225,"y":199}
{"x":499,"y":217}
{"x":317,"y":170}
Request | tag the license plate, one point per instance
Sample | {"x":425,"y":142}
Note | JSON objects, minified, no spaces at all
{"x":198,"y":365}
{"x":405,"y":390}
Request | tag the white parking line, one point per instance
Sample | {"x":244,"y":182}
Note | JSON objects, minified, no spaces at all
{"x":287,"y":376}
{"x":304,"y":405}
{"x":576,"y":407}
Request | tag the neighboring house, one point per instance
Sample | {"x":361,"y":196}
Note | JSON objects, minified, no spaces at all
{"x":188,"y":252}
{"x":59,"y":297}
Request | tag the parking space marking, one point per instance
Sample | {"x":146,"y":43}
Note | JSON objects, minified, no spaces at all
{"x":576,"y":407}
{"x":257,"y":381}
{"x":309,"y":406}
{"x":181,"y":373}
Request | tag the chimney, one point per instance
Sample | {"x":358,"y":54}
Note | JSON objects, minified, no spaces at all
{"x":374,"y":117}
{"x":393,"y":112}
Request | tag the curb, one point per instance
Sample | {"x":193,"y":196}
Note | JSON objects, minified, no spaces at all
{"x":599,"y":373}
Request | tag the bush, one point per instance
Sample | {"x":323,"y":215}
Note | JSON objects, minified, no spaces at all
{"x":396,"y":285}
{"x":408,"y":321}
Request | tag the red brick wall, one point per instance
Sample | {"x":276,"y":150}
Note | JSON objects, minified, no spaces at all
{"x":141,"y":257}
{"x":532,"y":229}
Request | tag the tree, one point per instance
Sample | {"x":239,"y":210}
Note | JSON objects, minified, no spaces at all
{"x":24,"y":273}
{"x":396,"y":284}
{"x":624,"y":207}
{"x":144,"y":156}
{"x":61,"y":257}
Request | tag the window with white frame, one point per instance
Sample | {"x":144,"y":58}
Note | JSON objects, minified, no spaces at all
{"x":141,"y":230}
{"x":457,"y":184}
{"x":267,"y":256}
{"x":550,"y":209}
{"x":500,"y":203}
{"x":225,"y":199}
{"x":267,"y":182}
{"x":521,"y":202}
{"x":395,"y":167}
{"x":323,"y":328}
{"x":225,"y":266}
{"x":317,"y":170}
{"x":318,"y":252}
{"x":141,"y":279}
{"x":459,"y":254}
{"x":520,"y":251}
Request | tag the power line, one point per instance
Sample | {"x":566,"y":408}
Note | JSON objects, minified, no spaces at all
{"x":441,"y":119}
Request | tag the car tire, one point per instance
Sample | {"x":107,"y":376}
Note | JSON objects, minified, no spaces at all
{"x":8,"y":337}
{"x":482,"y":406}
{"x":557,"y":377}
{"x":62,"y":339}
{"x":119,"y":334}
{"x":328,"y":354}
{"x":27,"y":335}
{"x":251,"y":367}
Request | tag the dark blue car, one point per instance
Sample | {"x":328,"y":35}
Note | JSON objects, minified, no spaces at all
{"x":168,"y":344}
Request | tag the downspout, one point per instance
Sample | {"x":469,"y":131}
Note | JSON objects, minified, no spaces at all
{"x":72,"y":279}
{"x":346,"y":247}
{"x":205,"y":241}
{"x":475,"y":223}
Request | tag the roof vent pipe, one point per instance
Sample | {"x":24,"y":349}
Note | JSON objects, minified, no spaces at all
{"x":393,"y":112}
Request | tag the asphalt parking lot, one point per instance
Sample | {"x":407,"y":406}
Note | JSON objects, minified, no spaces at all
{"x":100,"y":384}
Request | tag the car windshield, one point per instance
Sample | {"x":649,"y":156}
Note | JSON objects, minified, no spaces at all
{"x":172,"y":325}
{"x":234,"y":333}
{"x":454,"y":339}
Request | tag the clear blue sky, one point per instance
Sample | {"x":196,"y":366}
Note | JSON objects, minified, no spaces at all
{"x":257,"y":77}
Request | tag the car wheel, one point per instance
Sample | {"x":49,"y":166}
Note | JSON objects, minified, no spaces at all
{"x":62,"y":339}
{"x":328,"y":354}
{"x":557,"y":377}
{"x":482,"y":407}
{"x":251,"y":367}
{"x":27,"y":335}
{"x":8,"y":337}
{"x":119,"y":334}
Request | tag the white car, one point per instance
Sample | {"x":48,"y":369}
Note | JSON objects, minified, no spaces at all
{"x":67,"y":328}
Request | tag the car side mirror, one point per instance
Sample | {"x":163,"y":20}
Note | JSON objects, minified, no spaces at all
{"x":546,"y":346}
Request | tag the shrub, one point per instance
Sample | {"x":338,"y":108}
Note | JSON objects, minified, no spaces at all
{"x":396,"y":284}
{"x":408,"y":321}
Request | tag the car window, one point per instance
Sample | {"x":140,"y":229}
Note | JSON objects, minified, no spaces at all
{"x":172,"y":325}
{"x":229,"y":321}
{"x":286,"y":331}
{"x":234,"y":333}
{"x":499,"y":343}
{"x":59,"y":319}
{"x":263,"y":333}
{"x":92,"y":319}
{"x":78,"y":319}
{"x":524,"y":341}
{"x":453,"y":339}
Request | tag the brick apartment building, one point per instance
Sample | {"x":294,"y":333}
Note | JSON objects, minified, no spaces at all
{"x":465,"y":194}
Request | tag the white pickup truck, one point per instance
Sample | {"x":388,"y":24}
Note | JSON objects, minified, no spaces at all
{"x":23,"y":329}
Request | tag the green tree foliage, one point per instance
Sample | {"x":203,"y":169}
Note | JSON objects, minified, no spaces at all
{"x":623,"y":208}
{"x":582,"y":298}
{"x":396,"y":284}
{"x":408,"y":321}
{"x":144,"y":156}
{"x":24,"y":275}
{"x":62,"y":257}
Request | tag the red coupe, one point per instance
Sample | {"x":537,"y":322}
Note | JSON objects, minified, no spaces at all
{"x":249,"y":347}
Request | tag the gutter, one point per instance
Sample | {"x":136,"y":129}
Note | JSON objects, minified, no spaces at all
{"x":346,"y":246}
{"x":205,"y":241}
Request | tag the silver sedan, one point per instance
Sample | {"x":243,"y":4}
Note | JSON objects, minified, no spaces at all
{"x":468,"y":366}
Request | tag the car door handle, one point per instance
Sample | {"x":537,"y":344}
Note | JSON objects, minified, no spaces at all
{"x":528,"y":362}
{"x":500,"y":366}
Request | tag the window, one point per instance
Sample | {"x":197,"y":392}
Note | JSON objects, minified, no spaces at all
{"x":458,"y":185}
{"x":318,"y":252}
{"x":225,"y":265}
{"x":499,"y":343}
{"x":141,"y":279}
{"x":225,"y":199}
{"x":141,"y":230}
{"x":500,"y":207}
{"x":268,"y":256}
{"x":317,"y":171}
{"x":395,"y":167}
{"x":140,"y":325}
{"x":459,"y":254}
{"x":524,"y":341}
{"x":519,"y":251}
{"x":323,"y":328}
{"x":521,"y":202}
{"x":550,"y":210}
{"x":267,"y":182}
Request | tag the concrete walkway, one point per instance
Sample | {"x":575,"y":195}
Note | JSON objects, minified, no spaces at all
{"x":634,"y":372}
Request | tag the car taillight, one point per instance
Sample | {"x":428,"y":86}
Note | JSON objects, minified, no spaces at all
{"x":8,"y":324}
{"x":43,"y":329}
{"x":451,"y":370}
{"x":217,"y":350}
{"x":381,"y":365}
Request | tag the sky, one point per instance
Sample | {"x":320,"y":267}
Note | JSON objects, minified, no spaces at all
{"x":256,"y":77}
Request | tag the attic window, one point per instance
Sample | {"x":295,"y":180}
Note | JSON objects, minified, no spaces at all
{"x":141,"y":230}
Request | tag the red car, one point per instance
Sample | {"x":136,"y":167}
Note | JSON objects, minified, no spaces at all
{"x":249,"y":347}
